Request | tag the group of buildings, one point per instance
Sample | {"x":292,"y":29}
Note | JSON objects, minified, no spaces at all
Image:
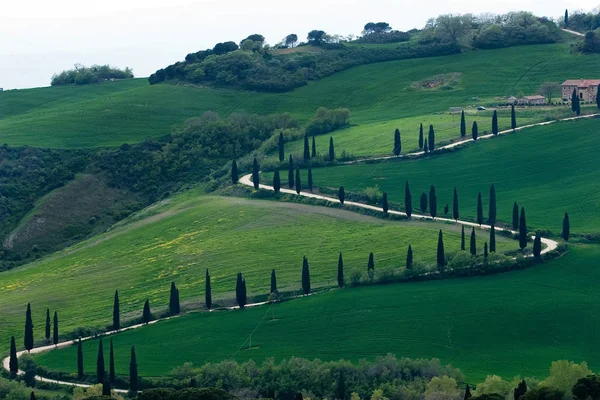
{"x":586,"y":90}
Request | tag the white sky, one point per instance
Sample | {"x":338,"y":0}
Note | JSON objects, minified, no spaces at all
{"x":41,"y":37}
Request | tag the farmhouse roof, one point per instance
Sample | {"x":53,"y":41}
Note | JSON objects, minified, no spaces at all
{"x":581,"y":82}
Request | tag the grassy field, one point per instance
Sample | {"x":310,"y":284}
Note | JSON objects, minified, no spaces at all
{"x":548,"y":170}
{"x":178,"y":240}
{"x":129,"y":111}
{"x":508,"y":324}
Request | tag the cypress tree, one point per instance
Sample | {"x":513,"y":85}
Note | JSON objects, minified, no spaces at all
{"x":598,"y":96}
{"x":273,"y":281}
{"x":111,"y":364}
{"x":423,"y":200}
{"x":479,"y":210}
{"x":341,"y":195}
{"x":79,"y":360}
{"x":431,"y":138}
{"x":314,"y":148}
{"x":281,"y":145}
{"x":513,"y":118}
{"x":116,"y":313}
{"x":32,"y":396}
{"x":340,"y":275}
{"x":146,"y":314}
{"x":537,"y":247}
{"x":409,"y":257}
{"x":566,"y":230}
{"x":331,"y":149}
{"x":455,"y":213}
{"x":575,"y":106}
{"x":407,"y":200}
{"x":100,"y":371}
{"x":384,"y":201}
{"x":492,"y":239}
{"x":298,"y":183}
{"x":441,"y":257}
{"x":515,"y":217}
{"x":55,"y":332}
{"x":291,"y":172}
{"x":522,"y":230}
{"x":421,"y":137}
{"x":133,"y":372}
{"x":473,"y":242}
{"x":371,"y":263}
{"x":276,"y":182}
{"x":28,"y":341}
{"x":240,"y":291}
{"x":310,"y":180}
{"x":425,"y":147}
{"x":475,"y":131}
{"x":397,"y":143}
{"x":105,"y":388}
{"x":174,"y":300}
{"x":306,"y":148}
{"x":305,"y":276}
{"x":485,"y":250}
{"x":492,"y":210}
{"x":47,"y":325}
{"x":468,"y":394}
{"x":207,"y":291}
{"x":13,"y":364}
{"x":462,"y":238}
{"x":463,"y":125}
{"x":432,"y":202}
{"x":495,"y":123}
{"x":255,"y":178}
{"x":234,"y":172}
{"x":567,"y":19}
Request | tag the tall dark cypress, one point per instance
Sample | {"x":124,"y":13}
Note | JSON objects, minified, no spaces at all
{"x":13,"y":363}
{"x":276,"y":182}
{"x":371,"y":263}
{"x":116,"y":312}
{"x":462,"y":238}
{"x":314,"y":148}
{"x":537,"y":247}
{"x":32,"y":396}
{"x":492,"y":209}
{"x":407,"y":200}
{"x":341,"y":195}
{"x":273,"y":281}
{"x":55,"y":331}
{"x":455,"y":213}
{"x":331,"y":149}
{"x":495,"y":123}
{"x":463,"y":125}
{"x":515,"y":217}
{"x":425,"y":147}
{"x":100,"y":370}
{"x":310,"y":180}
{"x":492,"y":239}
{"x":340,"y":274}
{"x":291,"y":172}
{"x":255,"y":178}
{"x":468,"y":394}
{"x":234,"y":173}
{"x":298,"y":182}
{"x":106,"y":388}
{"x":421,"y":137}
{"x":432,"y":202}
{"x":111,"y":364}
{"x":281,"y":145}
{"x":240,"y":290}
{"x":397,"y":143}
{"x":207,"y":291}
{"x":133,"y":372}
{"x":513,"y":118}
{"x":174,"y":300}
{"x":441,"y":257}
{"x":409,"y":257}
{"x":566,"y":230}
{"x":146,"y":313}
{"x":522,"y":229}
{"x":47,"y":325}
{"x":567,"y":21}
{"x":473,"y":246}
{"x":384,"y":203}
{"x":475,"y":131}
{"x":575,"y":107}
{"x":28,"y":340}
{"x":306,"y":148}
{"x":79,"y":360}
{"x":423,"y":201}
{"x":431,"y":138}
{"x":305,"y":276}
{"x":479,"y":210}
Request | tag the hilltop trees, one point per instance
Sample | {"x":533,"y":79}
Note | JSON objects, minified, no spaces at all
{"x":522,"y":229}
{"x":276,"y":182}
{"x":116,"y":313}
{"x":431,"y":138}
{"x":207,"y":291}
{"x":384,"y":203}
{"x":28,"y":340}
{"x":475,"y":131}
{"x":473,"y":246}
{"x":421,"y":137}
{"x":495,"y":123}
{"x":492,"y":209}
{"x":290,"y":40}
{"x":298,"y":183}
{"x":234,"y":173}
{"x":280,"y":146}
{"x":463,"y":124}
{"x":441,"y":258}
{"x":575,"y":106}
{"x":513,"y":118}
{"x":341,"y":195}
{"x":255,"y":178}
{"x":100,"y":369}
{"x":82,"y":75}
{"x":146,"y":314}
{"x":55,"y":331}
{"x":13,"y":363}
{"x":407,"y":200}
{"x":47,"y":336}
{"x":273,"y":282}
{"x":397,"y":142}
{"x":423,"y":201}
{"x":331,"y":149}
{"x":409,"y":257}
{"x":79,"y":360}
{"x":291,"y":172}
{"x":306,"y":148}
{"x":240,"y":290}
{"x":305,"y":276}
{"x":455,"y":213}
{"x":174,"y":300}
{"x":515,"y":217}
{"x":479,"y":210}
{"x":566,"y":229}
{"x":133,"y":372}
{"x":432,"y":202}
{"x":340,"y":274}
{"x":310,"y":180}
{"x":492,"y":239}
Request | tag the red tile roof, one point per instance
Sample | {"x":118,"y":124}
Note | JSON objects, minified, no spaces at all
{"x":581,"y":82}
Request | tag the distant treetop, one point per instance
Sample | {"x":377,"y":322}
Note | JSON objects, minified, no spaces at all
{"x":82,"y":75}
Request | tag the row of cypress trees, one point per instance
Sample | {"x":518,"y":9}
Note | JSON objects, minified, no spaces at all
{"x":308,"y":152}
{"x":101,"y":376}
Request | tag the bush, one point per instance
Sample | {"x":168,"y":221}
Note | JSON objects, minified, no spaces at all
{"x":81,"y":75}
{"x":326,"y":120}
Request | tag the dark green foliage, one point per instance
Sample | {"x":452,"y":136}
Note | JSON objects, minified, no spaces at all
{"x":133,"y":372}
{"x":47,"y":336}
{"x":474,"y":131}
{"x":479,"y":210}
{"x":485,"y":250}
{"x":407,"y":200}
{"x":432,"y":202}
{"x":13,"y":364}
{"x":298,"y":182}
{"x":111,"y":364}
{"x":32,"y":396}
{"x":522,"y":229}
{"x":146,"y":313}
{"x":384,"y":202}
{"x":492,"y":239}
{"x":234,"y":172}
{"x":397,"y":143}
{"x":598,"y":96}
{"x":305,"y":276}
{"x":276,"y":181}
{"x":116,"y":312}
{"x":341,"y":195}
{"x":455,"y":213}
{"x":409,"y":257}
{"x":306,"y":148}
{"x":587,"y":388}
{"x":207,"y":291}
{"x":371,"y":262}
{"x":566,"y":229}
{"x":174,"y":300}
{"x":441,"y":257}
{"x":489,"y":396}
{"x":314,"y":148}
{"x":273,"y":282}
{"x":473,"y":247}
{"x":423,"y":202}
{"x":340,"y":388}
{"x":340,"y":274}
{"x":331,"y":149}
{"x":566,"y":20}
{"x":79,"y":360}
{"x":100,"y":370}
{"x":240,"y":291}
{"x":28,"y":340}
{"x":281,"y":147}
{"x":106,"y":388}
{"x":291,"y":172}
{"x":467,"y":393}
{"x":544,"y":393}
{"x":492,"y":210}
{"x":55,"y":331}
{"x":520,"y":390}
{"x":462,"y":238}
{"x":327,"y":120}
{"x":495,"y":123}
{"x":425,"y":147}
{"x":421,"y":137}
{"x":310,"y":180}
{"x":515,"y":217}
{"x":575,"y":106}
{"x":255,"y":177}
{"x":516,"y":29}
{"x":513,"y":118}
{"x":463,"y":126}
{"x":431,"y":138}
{"x":82,"y":75}
{"x":537,"y":246}
{"x":185,"y":394}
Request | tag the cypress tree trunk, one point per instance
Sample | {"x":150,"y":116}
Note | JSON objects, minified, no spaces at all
{"x":100,"y":370}
{"x":425,"y":147}
{"x":79,"y":360}
{"x":384,"y":202}
{"x":306,"y":148}
{"x":492,"y":239}
{"x":421,"y":137}
{"x":462,"y":238}
{"x":397,"y":144}
{"x":276,"y":182}
{"x":441,"y":257}
{"x":537,"y":247}
{"x":298,"y":183}
{"x":522,"y":230}
{"x":291,"y":172}
{"x":463,"y":125}
{"x":340,"y":274}
{"x":513,"y":118}
{"x":479,"y":210}
{"x":432,"y":202}
{"x":515,"y":217}
{"x":255,"y":178}
{"x":111,"y":364}
{"x":305,"y":276}
{"x":28,"y":340}
{"x":455,"y":213}
{"x":566,"y":230}
{"x":485,"y":251}
{"x":234,"y":172}
{"x":495,"y":123}
{"x":341,"y":195}
{"x":146,"y":314}
{"x":47,"y":325}
{"x":281,"y":145}
{"x":208,"y":291}
{"x":273,"y":282}
{"x":407,"y":200}
{"x":371,"y":263}
{"x":314,"y":147}
{"x":133,"y":372}
{"x":409,"y":257}
{"x":55,"y":333}
{"x":310,"y":180}
{"x":116,"y":313}
{"x":431,"y":138}
{"x":13,"y":364}
{"x":475,"y":131}
{"x":331,"y":149}
{"x":473,"y":247}
{"x":423,"y":204}
{"x":492,"y":210}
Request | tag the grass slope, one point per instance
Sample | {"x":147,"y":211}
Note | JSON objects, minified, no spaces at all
{"x":374,"y":93}
{"x":508,"y":324}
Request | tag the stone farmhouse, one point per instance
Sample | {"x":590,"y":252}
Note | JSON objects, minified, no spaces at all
{"x":586,"y":89}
